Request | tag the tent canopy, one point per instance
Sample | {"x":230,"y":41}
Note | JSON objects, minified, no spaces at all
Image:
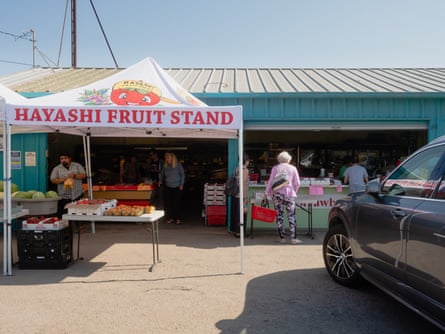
{"x":140,"y":101}
{"x":10,"y":96}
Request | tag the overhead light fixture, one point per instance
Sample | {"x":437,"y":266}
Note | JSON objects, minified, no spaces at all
{"x":172,"y":148}
{"x":163,"y":148}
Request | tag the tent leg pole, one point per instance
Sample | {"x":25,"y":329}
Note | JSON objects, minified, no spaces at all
{"x":5,"y":249}
{"x":7,"y":220}
{"x":241,"y":204}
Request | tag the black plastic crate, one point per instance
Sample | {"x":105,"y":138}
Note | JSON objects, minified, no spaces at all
{"x":45,"y":249}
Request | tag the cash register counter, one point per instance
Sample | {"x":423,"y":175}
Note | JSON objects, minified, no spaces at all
{"x":318,"y":195}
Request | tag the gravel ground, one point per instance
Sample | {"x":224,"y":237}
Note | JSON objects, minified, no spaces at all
{"x":197,"y":288}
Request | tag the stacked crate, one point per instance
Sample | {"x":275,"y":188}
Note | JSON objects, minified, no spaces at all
{"x":45,"y":248}
{"x":215,"y":204}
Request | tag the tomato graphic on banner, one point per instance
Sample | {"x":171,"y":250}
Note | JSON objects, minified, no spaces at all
{"x":137,"y":92}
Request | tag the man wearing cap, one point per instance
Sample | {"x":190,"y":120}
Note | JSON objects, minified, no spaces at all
{"x":68,"y":176}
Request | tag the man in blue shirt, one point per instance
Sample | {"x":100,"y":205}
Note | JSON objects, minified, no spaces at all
{"x":356,"y":176}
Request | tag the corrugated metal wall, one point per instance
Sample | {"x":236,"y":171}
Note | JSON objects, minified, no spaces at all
{"x":297,"y":112}
{"x":30,"y":176}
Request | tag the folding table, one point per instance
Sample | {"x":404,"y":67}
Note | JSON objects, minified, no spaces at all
{"x":148,"y":218}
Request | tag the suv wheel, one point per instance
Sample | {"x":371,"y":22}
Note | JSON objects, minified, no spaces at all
{"x":338,"y":257}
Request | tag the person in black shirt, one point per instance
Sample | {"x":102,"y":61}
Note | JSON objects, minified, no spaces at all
{"x":154,"y":171}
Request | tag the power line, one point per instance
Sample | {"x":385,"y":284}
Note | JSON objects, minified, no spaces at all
{"x":46,"y":58}
{"x":103,"y":33}
{"x":29,"y":36}
{"x":24,"y":36}
{"x":14,"y":62}
{"x":63,"y":31}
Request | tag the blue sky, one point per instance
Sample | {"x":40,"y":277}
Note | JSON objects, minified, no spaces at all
{"x":230,"y":33}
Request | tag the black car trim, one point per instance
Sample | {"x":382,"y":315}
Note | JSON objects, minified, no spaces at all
{"x":398,"y":296}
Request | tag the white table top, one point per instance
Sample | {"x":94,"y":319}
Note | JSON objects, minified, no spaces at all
{"x":145,"y":218}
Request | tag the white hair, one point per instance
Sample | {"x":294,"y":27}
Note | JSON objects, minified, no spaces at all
{"x":284,"y":157}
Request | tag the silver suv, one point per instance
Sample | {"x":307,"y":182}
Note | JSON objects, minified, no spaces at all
{"x":393,"y":235}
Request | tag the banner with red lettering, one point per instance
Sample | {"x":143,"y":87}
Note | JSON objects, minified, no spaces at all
{"x":198,"y":117}
{"x":142,"y":97}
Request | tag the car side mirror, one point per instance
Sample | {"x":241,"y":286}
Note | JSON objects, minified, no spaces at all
{"x":373,"y":187}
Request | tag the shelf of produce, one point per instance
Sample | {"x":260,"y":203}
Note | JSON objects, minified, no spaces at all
{"x":122,"y":193}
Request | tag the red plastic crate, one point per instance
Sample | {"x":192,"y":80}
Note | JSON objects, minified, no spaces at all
{"x":216,"y":220}
{"x":216,"y":214}
{"x":216,"y":210}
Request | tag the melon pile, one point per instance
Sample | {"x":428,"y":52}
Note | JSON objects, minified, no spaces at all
{"x":14,"y":188}
{"x":34,"y":194}
{"x":29,"y":194}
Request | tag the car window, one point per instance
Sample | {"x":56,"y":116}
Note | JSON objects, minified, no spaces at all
{"x":418,"y":176}
{"x":441,"y":191}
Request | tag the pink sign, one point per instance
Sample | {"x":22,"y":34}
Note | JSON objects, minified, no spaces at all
{"x":316,"y":190}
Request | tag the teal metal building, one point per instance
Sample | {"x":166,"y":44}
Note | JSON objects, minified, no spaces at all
{"x":326,"y":114}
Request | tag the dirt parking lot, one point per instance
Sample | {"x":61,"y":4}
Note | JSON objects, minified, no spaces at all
{"x":197,"y":288}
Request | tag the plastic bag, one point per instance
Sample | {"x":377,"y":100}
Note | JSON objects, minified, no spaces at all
{"x":232,"y":186}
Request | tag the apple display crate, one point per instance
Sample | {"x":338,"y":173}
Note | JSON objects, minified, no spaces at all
{"x":98,"y":209}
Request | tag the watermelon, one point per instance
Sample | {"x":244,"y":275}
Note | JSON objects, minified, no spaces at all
{"x":51,"y":194}
{"x":20,"y":194}
{"x":30,"y":193}
{"x":14,"y":188}
{"x":38,"y":195}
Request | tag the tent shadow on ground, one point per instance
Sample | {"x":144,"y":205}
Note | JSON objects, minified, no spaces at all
{"x":308,"y":301}
{"x":108,"y":235}
{"x":49,"y":276}
{"x":193,"y":234}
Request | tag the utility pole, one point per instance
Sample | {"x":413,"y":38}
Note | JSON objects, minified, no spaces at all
{"x":33,"y":48}
{"x":73,"y":35}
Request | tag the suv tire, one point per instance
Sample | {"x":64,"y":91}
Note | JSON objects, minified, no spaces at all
{"x":338,"y":257}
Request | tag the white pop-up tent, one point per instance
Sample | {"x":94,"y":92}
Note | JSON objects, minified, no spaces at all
{"x":7,"y":95}
{"x":140,"y":101}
